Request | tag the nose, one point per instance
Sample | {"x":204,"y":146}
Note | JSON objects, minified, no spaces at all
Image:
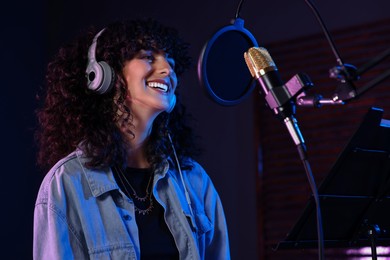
{"x":163,"y":66}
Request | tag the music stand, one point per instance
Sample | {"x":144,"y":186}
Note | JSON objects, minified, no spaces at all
{"x":355,"y":196}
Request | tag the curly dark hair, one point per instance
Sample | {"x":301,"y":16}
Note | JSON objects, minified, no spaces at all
{"x":72,"y":114}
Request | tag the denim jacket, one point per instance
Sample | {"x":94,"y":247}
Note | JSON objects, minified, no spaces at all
{"x":82,"y":214}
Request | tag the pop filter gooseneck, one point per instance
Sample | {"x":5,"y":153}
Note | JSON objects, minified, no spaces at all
{"x":222,"y":71}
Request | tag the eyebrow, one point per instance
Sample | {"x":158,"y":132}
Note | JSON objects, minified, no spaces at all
{"x":166,"y":55}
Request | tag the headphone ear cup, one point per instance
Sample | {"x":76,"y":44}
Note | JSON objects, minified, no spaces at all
{"x":107,"y":80}
{"x":172,"y":104}
{"x":100,"y":76}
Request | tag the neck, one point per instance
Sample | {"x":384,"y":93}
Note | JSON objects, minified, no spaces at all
{"x":136,"y":158}
{"x":136,"y":144}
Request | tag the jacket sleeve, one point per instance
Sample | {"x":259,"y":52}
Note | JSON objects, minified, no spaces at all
{"x":53,"y":236}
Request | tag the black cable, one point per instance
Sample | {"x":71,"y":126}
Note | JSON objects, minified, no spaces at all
{"x":309,"y":174}
{"x":347,"y":75}
{"x":239,"y":9}
{"x":301,"y":147}
{"x":326,"y":32}
{"x":297,"y":137}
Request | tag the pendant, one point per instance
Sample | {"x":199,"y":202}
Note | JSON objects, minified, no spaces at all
{"x":143,"y":199}
{"x":145,"y":211}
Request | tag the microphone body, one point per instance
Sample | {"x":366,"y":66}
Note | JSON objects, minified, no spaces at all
{"x":275,"y":93}
{"x":278,"y":96}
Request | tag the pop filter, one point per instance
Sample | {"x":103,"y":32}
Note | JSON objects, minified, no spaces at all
{"x":222,"y":70}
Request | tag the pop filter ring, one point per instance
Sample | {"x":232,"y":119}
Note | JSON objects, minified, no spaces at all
{"x":237,"y":27}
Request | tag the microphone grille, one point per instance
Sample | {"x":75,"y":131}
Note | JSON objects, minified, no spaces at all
{"x":259,"y":60}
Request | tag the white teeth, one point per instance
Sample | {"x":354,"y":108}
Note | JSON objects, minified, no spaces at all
{"x":161,"y":86}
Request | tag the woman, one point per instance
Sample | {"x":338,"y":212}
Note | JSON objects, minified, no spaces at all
{"x":121,"y":181}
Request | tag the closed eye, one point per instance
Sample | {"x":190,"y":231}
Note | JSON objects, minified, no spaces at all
{"x":149,"y":58}
{"x":171,"y":62}
{"x":146,"y":55}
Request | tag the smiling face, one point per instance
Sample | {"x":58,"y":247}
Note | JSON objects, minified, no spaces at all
{"x":151,"y":82}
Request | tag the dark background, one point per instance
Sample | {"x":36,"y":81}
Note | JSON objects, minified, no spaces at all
{"x":32,"y":31}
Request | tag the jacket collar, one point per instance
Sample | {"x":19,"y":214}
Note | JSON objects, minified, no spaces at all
{"x":101,"y":181}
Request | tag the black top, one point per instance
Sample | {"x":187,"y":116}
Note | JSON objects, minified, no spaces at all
{"x":156,"y":241}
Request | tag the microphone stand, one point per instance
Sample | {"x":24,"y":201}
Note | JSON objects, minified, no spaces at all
{"x":373,"y":62}
{"x":376,"y":60}
{"x":345,"y":92}
{"x":283,"y":105}
{"x":295,"y":133}
{"x":345,"y":73}
{"x":292,"y":126}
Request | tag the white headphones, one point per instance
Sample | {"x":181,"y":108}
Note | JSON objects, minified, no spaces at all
{"x":99,"y":74}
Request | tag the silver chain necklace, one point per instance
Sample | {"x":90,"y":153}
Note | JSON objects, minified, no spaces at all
{"x":148,"y":194}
